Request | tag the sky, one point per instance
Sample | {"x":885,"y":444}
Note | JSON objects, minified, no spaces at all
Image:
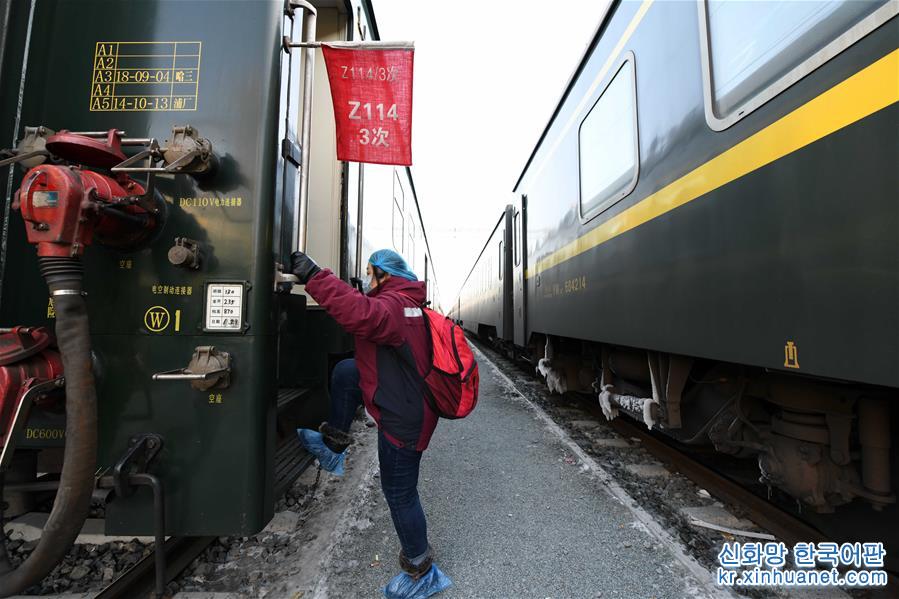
{"x":488,"y":76}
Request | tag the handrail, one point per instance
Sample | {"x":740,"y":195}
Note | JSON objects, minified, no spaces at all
{"x":310,"y":16}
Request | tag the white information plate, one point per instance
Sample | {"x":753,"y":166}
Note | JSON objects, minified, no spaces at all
{"x":224,"y":307}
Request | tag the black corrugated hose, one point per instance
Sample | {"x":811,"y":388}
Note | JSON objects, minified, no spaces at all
{"x":72,"y":503}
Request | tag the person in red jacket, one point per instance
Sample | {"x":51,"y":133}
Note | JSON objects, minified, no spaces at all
{"x":392,"y":354}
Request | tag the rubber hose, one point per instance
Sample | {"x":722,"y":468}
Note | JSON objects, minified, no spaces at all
{"x":72,"y":503}
{"x":5,"y":566}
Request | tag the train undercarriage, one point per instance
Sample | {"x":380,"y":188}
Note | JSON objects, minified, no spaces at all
{"x":823,"y":443}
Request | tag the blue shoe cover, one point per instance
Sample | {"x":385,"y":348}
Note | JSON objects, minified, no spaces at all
{"x":327,"y":459}
{"x":402,"y":586}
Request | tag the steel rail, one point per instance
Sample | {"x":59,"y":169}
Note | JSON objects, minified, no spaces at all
{"x":769,"y":516}
{"x":140,"y":579}
{"x":782,"y":524}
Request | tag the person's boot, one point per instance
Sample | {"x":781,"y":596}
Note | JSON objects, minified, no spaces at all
{"x":328,"y":459}
{"x":419,"y":579}
{"x":336,"y":439}
{"x":420,"y":567}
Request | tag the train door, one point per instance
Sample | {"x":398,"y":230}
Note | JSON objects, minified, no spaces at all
{"x":519,"y":270}
{"x":505,"y":258}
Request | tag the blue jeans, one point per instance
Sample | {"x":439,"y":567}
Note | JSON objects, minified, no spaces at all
{"x":346,"y":396}
{"x":399,"y":465}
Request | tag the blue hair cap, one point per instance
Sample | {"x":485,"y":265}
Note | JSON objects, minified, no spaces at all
{"x":392,"y":263}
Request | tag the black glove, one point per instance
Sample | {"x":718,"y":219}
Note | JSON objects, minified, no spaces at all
{"x":303,"y":266}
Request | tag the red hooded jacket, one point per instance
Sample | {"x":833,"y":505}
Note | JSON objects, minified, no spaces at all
{"x":390,"y":333}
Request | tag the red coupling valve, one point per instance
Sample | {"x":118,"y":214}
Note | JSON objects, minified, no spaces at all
{"x":52,"y":203}
{"x":25,"y":359}
{"x":64,"y":207}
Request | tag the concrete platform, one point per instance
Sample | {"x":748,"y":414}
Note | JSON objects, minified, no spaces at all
{"x":515,"y":509}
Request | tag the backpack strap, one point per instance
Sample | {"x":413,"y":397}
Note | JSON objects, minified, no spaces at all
{"x":411,"y":364}
{"x":413,"y":369}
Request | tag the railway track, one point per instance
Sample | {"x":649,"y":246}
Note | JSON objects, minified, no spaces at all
{"x":782,"y":524}
{"x":787,"y":527}
{"x":778,"y":522}
{"x":142,"y":579}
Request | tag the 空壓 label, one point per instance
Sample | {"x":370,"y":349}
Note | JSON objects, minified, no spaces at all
{"x":224,"y":307}
{"x":145,"y":76}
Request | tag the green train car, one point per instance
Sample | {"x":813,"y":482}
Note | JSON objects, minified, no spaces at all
{"x":176,"y":129}
{"x":705,"y":238}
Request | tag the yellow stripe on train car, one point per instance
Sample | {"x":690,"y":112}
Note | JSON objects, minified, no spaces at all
{"x":872,"y":89}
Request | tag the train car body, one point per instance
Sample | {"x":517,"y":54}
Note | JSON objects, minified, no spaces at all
{"x":390,"y":218}
{"x":771,"y":230}
{"x":141,"y":68}
{"x":484,"y":305}
{"x":708,"y":237}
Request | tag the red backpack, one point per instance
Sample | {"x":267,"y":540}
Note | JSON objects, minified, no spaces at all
{"x":452,"y":380}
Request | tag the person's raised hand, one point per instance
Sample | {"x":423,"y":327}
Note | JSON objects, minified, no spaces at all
{"x":303,"y":267}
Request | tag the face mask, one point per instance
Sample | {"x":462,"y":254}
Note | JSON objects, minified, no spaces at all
{"x":366,"y":283}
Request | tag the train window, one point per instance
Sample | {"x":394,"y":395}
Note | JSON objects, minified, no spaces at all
{"x":500,"y":261}
{"x":752,"y":51}
{"x":607,"y":145}
{"x":399,"y":200}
